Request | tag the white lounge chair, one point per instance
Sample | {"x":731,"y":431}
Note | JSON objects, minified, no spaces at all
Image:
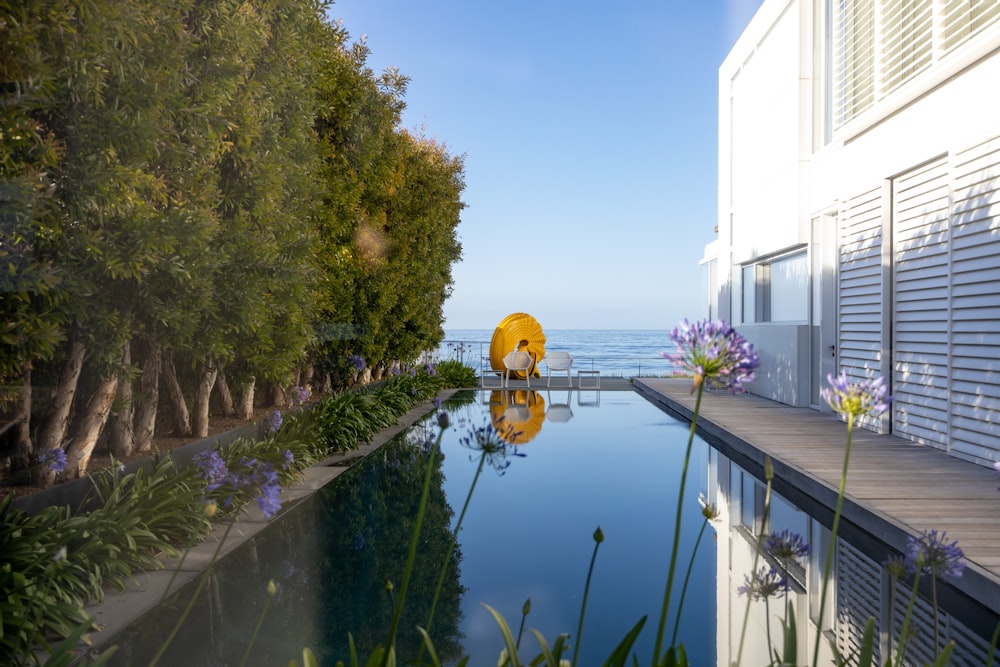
{"x":518,"y":362}
{"x":559,"y":362}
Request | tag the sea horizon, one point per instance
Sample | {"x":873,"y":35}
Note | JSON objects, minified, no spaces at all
{"x":613,"y":352}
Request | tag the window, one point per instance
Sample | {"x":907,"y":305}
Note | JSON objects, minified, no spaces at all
{"x":906,"y":41}
{"x":855,"y":25}
{"x":777,"y":290}
{"x":880,"y":45}
{"x":964,"y":18}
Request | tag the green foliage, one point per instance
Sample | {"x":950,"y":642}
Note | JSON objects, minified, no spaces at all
{"x":388,"y":226}
{"x":55,"y":562}
{"x":454,"y":373}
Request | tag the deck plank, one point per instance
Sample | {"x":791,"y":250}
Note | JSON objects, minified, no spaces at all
{"x":890,"y":481}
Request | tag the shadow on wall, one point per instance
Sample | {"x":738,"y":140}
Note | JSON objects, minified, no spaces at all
{"x":784,"y":372}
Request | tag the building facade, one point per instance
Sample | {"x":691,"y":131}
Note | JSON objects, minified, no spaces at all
{"x":859,"y":208}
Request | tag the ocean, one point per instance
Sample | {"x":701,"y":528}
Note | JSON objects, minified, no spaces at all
{"x":615,"y":352}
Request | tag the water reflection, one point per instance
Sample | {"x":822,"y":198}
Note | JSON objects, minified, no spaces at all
{"x":331,"y":560}
{"x":860,"y":587}
{"x":518,"y":415}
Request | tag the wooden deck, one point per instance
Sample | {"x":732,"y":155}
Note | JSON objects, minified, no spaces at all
{"x":895,"y":488}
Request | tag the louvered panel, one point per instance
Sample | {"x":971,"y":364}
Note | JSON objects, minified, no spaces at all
{"x":905,"y":44}
{"x":861,"y":289}
{"x":921,"y":304}
{"x":855,"y":91}
{"x":962,"y":19}
{"x":859,"y":597}
{"x":975,"y":313}
{"x":920,"y":648}
{"x":970,"y":649}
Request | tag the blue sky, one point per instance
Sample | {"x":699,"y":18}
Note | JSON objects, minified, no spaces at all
{"x":589,"y":132}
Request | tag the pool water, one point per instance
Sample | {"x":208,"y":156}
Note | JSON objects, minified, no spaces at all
{"x":572,"y":461}
{"x":584,"y":460}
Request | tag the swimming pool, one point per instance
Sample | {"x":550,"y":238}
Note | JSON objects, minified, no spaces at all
{"x":592,"y":459}
{"x":577,"y":460}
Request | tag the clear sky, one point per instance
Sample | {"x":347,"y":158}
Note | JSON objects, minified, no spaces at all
{"x":589,"y":132}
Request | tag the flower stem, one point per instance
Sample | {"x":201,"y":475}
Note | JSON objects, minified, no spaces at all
{"x":583,"y":605}
{"x":687,"y":579}
{"x":451,"y":549}
{"x":904,"y":631}
{"x":657,"y":650}
{"x":833,"y":539}
{"x":194,"y":596}
{"x":412,"y":555}
{"x":256,"y":631}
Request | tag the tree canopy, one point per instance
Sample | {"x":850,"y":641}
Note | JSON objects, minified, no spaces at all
{"x":223,"y":185}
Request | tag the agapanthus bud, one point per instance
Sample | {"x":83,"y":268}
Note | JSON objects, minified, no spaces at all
{"x":443,"y":420}
{"x":598,"y":535}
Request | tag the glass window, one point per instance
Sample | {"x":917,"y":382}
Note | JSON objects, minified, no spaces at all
{"x":790,"y":289}
{"x":777,"y":290}
{"x":749,"y":294}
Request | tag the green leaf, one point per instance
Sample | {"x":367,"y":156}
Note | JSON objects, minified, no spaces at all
{"x":791,"y":644}
{"x":620,"y":654}
{"x":430,"y":647}
{"x":944,"y":656}
{"x":867,"y":653}
{"x":508,"y":638}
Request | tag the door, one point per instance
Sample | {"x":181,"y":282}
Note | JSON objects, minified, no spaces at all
{"x":824,"y":305}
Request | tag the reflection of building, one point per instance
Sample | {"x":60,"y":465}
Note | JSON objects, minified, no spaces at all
{"x":859,"y":588}
{"x":859,"y":194}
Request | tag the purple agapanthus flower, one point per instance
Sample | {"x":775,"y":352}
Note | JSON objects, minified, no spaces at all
{"x":856,"y":399}
{"x":430,"y":369}
{"x":765,"y":583}
{"x":54,"y":459}
{"x":933,"y":554}
{"x":289,"y":460}
{"x":437,"y":401}
{"x":250,"y":476}
{"x":211,"y":468}
{"x":299,"y":395}
{"x":274,"y":421}
{"x":714,"y":352}
{"x":786,"y":546}
{"x":356,"y":361}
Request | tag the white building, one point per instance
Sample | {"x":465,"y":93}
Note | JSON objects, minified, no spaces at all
{"x":859,"y":208}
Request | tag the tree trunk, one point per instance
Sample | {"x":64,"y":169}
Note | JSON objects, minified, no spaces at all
{"x":307,"y":375}
{"x":182,"y":422}
{"x":245,"y":408}
{"x":202,"y":394}
{"x":149,"y":398}
{"x":122,"y":431}
{"x":277,"y":395}
{"x":82,"y":446}
{"x":228,"y":406}
{"x":21,"y":457}
{"x":53,"y":428}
